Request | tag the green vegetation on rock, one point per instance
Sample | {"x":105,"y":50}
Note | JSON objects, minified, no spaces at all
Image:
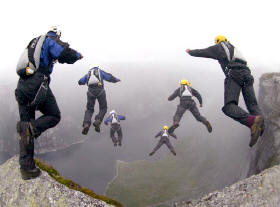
{"x":72,"y":185}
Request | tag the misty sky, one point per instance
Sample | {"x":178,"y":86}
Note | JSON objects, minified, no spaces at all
{"x":109,"y":31}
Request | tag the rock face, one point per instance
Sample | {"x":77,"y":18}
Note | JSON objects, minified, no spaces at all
{"x":43,"y":191}
{"x":267,"y":151}
{"x":257,"y":191}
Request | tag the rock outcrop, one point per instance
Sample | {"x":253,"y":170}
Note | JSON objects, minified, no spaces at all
{"x":266,"y":153}
{"x":257,"y":191}
{"x":42,"y":191}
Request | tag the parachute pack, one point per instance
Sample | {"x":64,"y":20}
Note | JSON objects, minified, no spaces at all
{"x":30,"y":58}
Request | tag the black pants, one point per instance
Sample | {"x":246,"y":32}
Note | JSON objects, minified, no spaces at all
{"x":188,"y":105}
{"x":92,"y":95}
{"x":116,"y":128}
{"x":50,"y":118}
{"x":164,"y":140}
{"x":240,"y":81}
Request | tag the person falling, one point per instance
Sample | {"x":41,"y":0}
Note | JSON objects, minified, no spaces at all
{"x":185,"y":92}
{"x":164,"y":139}
{"x":114,"y":120}
{"x":238,"y":78}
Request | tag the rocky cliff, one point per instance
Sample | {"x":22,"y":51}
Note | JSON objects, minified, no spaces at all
{"x":42,"y":191}
{"x":266,"y":153}
{"x":262,"y":189}
{"x":257,"y":191}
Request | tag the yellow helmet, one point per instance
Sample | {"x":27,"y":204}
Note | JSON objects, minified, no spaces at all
{"x":165,"y":127}
{"x":185,"y":82}
{"x":220,"y":38}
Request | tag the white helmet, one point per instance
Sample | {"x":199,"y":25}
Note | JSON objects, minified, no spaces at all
{"x":112,"y":112}
{"x":55,"y":30}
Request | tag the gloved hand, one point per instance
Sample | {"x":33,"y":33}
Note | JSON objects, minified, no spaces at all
{"x":118,"y":80}
{"x":29,"y":71}
{"x":79,"y":82}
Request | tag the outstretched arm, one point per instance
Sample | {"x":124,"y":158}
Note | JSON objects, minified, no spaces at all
{"x":83,"y":80}
{"x":174,"y":94}
{"x":107,"y":120}
{"x":109,"y":77}
{"x":158,"y":134}
{"x":121,"y":117}
{"x":210,"y":52}
{"x":62,"y":52}
{"x":197,"y":95}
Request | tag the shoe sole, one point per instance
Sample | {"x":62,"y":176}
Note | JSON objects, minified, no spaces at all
{"x":255,"y":137}
{"x":85,"y":131}
{"x":209,"y":127}
{"x":29,"y":177}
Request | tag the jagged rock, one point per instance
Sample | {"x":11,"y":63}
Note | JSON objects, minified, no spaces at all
{"x":266,"y":153}
{"x":42,"y":191}
{"x":257,"y":191}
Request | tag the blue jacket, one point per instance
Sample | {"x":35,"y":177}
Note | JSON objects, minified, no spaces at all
{"x":103,"y":76}
{"x":109,"y":119}
{"x":54,"y":49}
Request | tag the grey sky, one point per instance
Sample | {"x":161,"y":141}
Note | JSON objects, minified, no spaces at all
{"x":111,"y":31}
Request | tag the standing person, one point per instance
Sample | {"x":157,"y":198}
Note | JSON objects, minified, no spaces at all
{"x":114,"y":120}
{"x":33,"y":93}
{"x":95,"y":81}
{"x":185,"y":92}
{"x":164,"y":139}
{"x":238,"y":78}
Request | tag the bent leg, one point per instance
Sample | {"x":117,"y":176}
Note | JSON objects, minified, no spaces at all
{"x":90,"y":109}
{"x":251,"y":100}
{"x":170,"y":147}
{"x":176,"y":118}
{"x":112,"y":134}
{"x":231,"y":99}
{"x":157,"y":147}
{"x":102,"y":106}
{"x":51,"y":115}
{"x":120,"y":135}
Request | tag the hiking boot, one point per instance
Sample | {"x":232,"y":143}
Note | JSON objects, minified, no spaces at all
{"x":120,"y":144}
{"x":208,"y":126}
{"x":256,"y":130}
{"x":115,"y":144}
{"x":96,"y":124}
{"x":30,"y":174}
{"x":173,"y":127}
{"x":174,"y":153}
{"x":151,"y":153}
{"x":85,"y":129}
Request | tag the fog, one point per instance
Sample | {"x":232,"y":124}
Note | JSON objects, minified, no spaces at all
{"x":143,"y":43}
{"x":142,"y":97}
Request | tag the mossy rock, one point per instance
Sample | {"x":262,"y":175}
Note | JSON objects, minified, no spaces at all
{"x":72,"y":185}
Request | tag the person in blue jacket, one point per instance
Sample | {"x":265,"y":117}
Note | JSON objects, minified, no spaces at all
{"x":114,"y":120}
{"x":95,"y":81}
{"x":33,"y":93}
